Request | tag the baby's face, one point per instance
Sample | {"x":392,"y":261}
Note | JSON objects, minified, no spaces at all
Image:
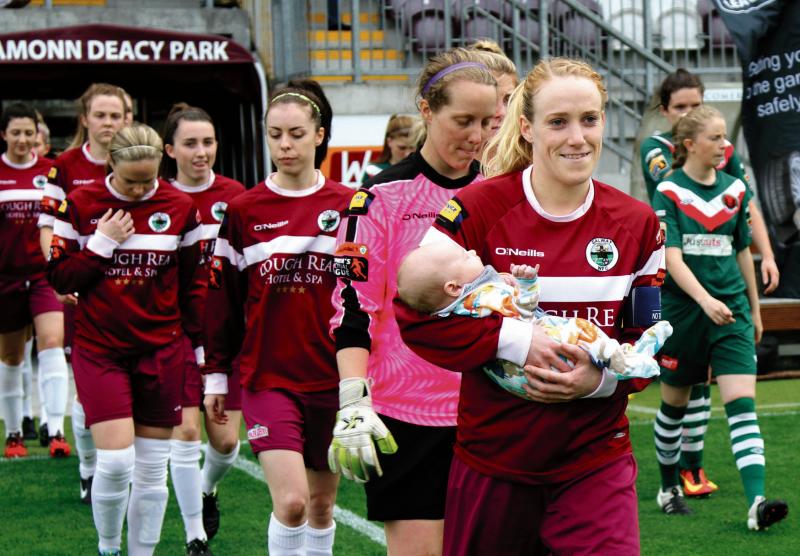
{"x":467,"y":266}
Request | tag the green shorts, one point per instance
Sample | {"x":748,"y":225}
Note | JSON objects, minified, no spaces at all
{"x":697,"y":343}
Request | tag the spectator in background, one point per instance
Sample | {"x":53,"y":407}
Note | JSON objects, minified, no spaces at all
{"x":128,"y":106}
{"x":398,"y":143}
{"x":41,"y":144}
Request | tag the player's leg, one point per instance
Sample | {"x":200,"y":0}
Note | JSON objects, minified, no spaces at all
{"x":733,"y":364}
{"x":157,"y":383}
{"x":595,"y":513}
{"x":12,"y":344}
{"x":28,"y":422}
{"x":185,"y":447}
{"x":103,"y":385}
{"x":484,"y":515}
{"x":86,"y":450}
{"x":53,"y":372}
{"x":184,"y":467}
{"x":695,"y":423}
{"x":221,"y":453}
{"x":667,"y":435}
{"x":275,"y":430}
{"x":410,"y":496}
{"x":319,"y":418}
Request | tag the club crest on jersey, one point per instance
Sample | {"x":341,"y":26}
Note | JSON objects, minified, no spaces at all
{"x":602,"y":254}
{"x":452,"y":215}
{"x":258,"y":431}
{"x":730,"y":202}
{"x":360,"y":202}
{"x":657,"y":166}
{"x":39,"y":181}
{"x":328,"y":220}
{"x":218,"y":210}
{"x":52,"y":173}
{"x":159,"y":221}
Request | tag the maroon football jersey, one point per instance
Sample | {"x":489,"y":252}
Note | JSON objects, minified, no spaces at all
{"x":72,"y":169}
{"x":270,"y":287}
{"x":21,"y":187}
{"x":141,"y":294}
{"x":589,"y":262}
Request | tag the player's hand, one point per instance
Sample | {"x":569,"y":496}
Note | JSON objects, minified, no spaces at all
{"x":770,"y":275}
{"x":546,"y":385}
{"x":758,"y":326}
{"x":717,"y":311}
{"x":118,"y":226}
{"x":215,"y":408}
{"x":67,"y":299}
{"x":524,"y":271}
{"x":544,"y":352}
{"x":358,"y":428}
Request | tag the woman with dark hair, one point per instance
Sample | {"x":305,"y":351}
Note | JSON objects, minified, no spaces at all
{"x":190,"y":144}
{"x":268,"y":302}
{"x":24,"y":292}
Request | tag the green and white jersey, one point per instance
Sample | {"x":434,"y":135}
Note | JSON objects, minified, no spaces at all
{"x":710,"y":224}
{"x":657,"y":152}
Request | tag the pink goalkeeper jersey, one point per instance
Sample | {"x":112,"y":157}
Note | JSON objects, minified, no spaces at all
{"x":386,"y":219}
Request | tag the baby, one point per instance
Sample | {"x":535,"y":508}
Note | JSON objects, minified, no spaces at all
{"x":442,"y":278}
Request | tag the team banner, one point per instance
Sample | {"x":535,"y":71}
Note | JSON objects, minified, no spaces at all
{"x":767,"y":36}
{"x":103,"y":44}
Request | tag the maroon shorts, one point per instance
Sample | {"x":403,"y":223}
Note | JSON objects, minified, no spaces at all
{"x":22,"y":300}
{"x":146,"y":387}
{"x":283,"y":420}
{"x":69,"y":328}
{"x":592,"y":514}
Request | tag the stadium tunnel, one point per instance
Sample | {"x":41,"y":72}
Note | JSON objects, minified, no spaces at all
{"x":157,"y":68}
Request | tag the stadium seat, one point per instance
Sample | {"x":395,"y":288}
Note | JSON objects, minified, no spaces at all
{"x":679,"y":26}
{"x":560,"y":9}
{"x":476,"y":24}
{"x":629,"y":22}
{"x":425,"y":19}
{"x":718,"y":33}
{"x":581,"y":31}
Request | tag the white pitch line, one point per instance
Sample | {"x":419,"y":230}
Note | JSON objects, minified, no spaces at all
{"x":724,"y":418}
{"x":23,"y":460}
{"x":653,"y":411}
{"x":341,"y":515}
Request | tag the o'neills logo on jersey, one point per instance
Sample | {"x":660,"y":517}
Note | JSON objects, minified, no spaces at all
{"x":415,"y":215}
{"x":518,"y":252}
{"x":218,"y":210}
{"x":159,"y":221}
{"x":602,"y":254}
{"x":82,"y":182}
{"x":258,"y":431}
{"x":328,"y":220}
{"x":269,"y":225}
{"x":39,"y":182}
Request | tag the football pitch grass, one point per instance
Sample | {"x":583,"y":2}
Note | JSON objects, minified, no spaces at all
{"x":41,"y":514}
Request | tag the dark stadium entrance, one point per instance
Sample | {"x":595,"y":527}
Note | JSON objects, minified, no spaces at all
{"x":52,"y":67}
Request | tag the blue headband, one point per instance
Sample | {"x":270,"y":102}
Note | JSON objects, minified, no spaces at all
{"x":450,"y":69}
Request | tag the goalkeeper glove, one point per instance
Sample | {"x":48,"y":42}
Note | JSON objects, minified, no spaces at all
{"x":358,"y":427}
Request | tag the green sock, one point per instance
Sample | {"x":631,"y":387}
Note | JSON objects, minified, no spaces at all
{"x":747,"y":446}
{"x":667,"y":433}
{"x":695,"y":424}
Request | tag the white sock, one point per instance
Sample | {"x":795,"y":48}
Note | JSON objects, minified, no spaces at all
{"x":42,"y":408}
{"x":11,"y":397}
{"x":184,"y":465}
{"x":285,"y":541}
{"x":110,"y":494}
{"x":216,"y":465}
{"x":27,"y":380}
{"x":54,"y":375}
{"x":84,"y":443}
{"x":148,"y":495}
{"x":319,"y":542}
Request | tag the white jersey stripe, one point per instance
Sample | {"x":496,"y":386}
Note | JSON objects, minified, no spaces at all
{"x":709,"y":208}
{"x":192,"y":237}
{"x":54,"y":192}
{"x":655,"y":263}
{"x":20,"y":195}
{"x":142,"y":242}
{"x":288,"y":244}
{"x":65,"y":230}
{"x":210,"y":231}
{"x":224,"y":249}
{"x":577,"y":289}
